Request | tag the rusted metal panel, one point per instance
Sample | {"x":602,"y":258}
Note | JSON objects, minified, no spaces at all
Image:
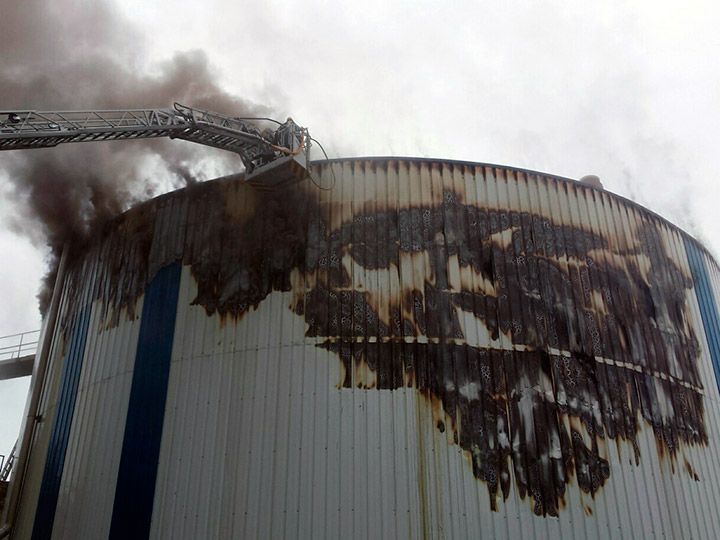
{"x":430,"y":348}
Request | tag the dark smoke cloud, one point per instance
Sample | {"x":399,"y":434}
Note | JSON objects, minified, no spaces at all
{"x":83,"y":55}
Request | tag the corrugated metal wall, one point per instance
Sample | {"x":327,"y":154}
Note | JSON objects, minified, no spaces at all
{"x":401,"y":348}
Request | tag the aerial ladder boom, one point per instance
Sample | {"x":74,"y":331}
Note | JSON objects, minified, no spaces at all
{"x":271,"y":158}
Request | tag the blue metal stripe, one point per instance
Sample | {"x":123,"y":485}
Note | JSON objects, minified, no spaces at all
{"x":60,"y":434}
{"x":707,"y":303}
{"x":135,"y":487}
{"x":708,"y":307}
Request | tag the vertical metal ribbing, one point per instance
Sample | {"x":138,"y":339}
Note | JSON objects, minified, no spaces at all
{"x":59,"y":438}
{"x":707,"y":304}
{"x":132,"y":511}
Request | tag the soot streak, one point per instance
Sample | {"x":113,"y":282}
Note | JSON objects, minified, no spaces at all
{"x":587,"y":335}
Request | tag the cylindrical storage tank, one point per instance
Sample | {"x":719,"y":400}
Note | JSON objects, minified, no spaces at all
{"x":391,"y":348}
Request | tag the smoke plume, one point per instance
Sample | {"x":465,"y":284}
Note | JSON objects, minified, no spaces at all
{"x":83,"y":55}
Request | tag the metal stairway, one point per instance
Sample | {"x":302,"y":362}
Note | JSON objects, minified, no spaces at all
{"x":6,"y":464}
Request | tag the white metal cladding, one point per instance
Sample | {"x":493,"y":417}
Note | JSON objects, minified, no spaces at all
{"x":93,"y":453}
{"x":38,"y":451}
{"x":94,"y":442}
{"x":281,"y":421}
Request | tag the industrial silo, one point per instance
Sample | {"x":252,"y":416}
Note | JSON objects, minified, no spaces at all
{"x":391,"y":348}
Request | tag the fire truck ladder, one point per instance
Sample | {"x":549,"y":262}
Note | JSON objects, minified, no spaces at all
{"x":34,"y":129}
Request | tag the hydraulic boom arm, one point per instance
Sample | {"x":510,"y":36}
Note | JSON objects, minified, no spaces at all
{"x":282,"y":151}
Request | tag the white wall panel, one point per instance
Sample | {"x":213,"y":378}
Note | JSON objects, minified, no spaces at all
{"x":429,"y":349}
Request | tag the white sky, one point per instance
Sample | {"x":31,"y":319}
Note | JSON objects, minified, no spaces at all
{"x":625,"y":90}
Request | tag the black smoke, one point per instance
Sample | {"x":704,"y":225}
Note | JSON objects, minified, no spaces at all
{"x":84,"y":55}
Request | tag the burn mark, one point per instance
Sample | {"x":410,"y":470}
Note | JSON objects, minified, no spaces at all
{"x":546,"y":416}
{"x":240,"y":259}
{"x":540,"y":341}
{"x":691,"y":471}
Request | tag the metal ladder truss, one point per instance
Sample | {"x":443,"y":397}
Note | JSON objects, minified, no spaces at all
{"x":37,"y":129}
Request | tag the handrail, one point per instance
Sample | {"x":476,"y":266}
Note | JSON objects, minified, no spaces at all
{"x":19,"y":345}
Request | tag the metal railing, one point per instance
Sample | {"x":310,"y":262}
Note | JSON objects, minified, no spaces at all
{"x":19,"y":345}
{"x":7,"y":463}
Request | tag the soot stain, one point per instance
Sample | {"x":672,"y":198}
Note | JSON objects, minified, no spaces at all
{"x":597,"y":338}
